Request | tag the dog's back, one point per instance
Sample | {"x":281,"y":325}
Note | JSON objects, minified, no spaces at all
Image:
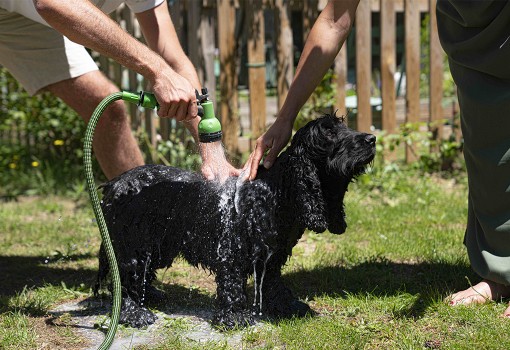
{"x":164,"y":211}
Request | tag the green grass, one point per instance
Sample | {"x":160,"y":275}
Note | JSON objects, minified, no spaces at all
{"x":380,"y":285}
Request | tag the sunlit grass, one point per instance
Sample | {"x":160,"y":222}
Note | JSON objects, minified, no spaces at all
{"x":380,"y":285}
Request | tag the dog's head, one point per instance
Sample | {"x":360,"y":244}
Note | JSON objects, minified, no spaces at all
{"x":326,"y":155}
{"x":333,"y":147}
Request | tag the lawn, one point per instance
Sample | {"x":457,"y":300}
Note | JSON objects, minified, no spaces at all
{"x":380,"y":285}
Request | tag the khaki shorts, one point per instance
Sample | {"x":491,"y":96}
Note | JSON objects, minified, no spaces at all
{"x":37,"y":55}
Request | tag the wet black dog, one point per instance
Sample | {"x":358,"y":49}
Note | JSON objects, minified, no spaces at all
{"x":235,"y":230}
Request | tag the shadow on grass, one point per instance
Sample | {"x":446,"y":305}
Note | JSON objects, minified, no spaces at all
{"x":428,"y":281}
{"x":16,"y":272}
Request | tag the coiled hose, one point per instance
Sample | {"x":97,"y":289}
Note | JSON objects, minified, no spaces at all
{"x":105,"y":237}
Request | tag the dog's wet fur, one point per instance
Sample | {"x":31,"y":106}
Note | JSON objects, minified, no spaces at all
{"x":235,"y":230}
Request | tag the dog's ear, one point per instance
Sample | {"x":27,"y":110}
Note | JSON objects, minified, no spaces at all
{"x":309,"y":201}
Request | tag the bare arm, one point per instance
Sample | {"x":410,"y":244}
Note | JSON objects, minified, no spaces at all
{"x":159,"y":32}
{"x":327,"y":36}
{"x":85,"y":24}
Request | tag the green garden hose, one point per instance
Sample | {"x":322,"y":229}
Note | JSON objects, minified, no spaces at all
{"x":209,"y":130}
{"x":146,"y":100}
{"x":105,"y":237}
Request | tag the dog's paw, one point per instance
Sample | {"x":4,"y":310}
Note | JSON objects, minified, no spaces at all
{"x":154,"y":295}
{"x":227,"y":320}
{"x":135,"y":316}
{"x":287,"y":308}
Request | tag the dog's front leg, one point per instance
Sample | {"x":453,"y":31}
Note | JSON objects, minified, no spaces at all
{"x":278,"y":300}
{"x":231,"y":299}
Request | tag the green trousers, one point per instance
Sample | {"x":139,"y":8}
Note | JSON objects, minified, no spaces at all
{"x":476,"y":37}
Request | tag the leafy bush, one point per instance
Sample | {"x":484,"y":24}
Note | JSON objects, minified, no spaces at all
{"x":41,"y":144}
{"x":433,"y":155}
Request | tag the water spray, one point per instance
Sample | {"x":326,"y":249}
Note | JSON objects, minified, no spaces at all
{"x":209,"y":130}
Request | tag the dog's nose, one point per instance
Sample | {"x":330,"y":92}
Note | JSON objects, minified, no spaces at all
{"x":370,"y":139}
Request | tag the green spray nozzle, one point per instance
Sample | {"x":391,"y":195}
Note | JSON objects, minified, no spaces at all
{"x":209,"y":128}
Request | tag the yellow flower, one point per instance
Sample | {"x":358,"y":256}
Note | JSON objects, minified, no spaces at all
{"x":12,"y":165}
{"x":35,"y":164}
{"x":58,"y":142}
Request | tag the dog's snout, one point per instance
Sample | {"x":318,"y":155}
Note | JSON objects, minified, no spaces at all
{"x":370,"y":139}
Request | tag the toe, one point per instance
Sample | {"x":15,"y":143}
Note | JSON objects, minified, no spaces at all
{"x":480,"y":293}
{"x":471,"y":299}
{"x":507,"y":311}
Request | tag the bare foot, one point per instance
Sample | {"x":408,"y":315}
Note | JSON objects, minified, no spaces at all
{"x":480,"y":293}
{"x":507,"y":311}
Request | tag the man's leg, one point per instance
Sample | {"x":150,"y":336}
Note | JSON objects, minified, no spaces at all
{"x":114,"y":144}
{"x":473,"y":35}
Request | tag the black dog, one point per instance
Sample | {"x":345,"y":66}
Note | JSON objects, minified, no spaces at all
{"x":234,"y":230}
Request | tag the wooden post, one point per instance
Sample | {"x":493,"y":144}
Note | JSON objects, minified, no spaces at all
{"x":256,"y":68}
{"x":363,"y":65}
{"x":201,"y":39}
{"x":341,"y":79}
{"x":412,"y":61}
{"x":193,"y":30}
{"x":284,"y":42}
{"x":310,"y":13}
{"x":176,"y":9}
{"x":436,"y":74}
{"x":388,"y":65}
{"x":208,"y":47}
{"x":228,"y":109}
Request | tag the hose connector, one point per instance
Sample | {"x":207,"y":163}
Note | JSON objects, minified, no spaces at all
{"x":142,"y":99}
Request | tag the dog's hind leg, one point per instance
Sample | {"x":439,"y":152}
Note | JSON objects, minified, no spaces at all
{"x":136,"y":274}
{"x":103,"y":270}
{"x":231,"y":299}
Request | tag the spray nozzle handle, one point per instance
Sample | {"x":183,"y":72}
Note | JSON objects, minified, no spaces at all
{"x":200,"y":111}
{"x":202,"y":97}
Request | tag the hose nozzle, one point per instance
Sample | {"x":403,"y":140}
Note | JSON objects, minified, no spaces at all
{"x":209,"y":128}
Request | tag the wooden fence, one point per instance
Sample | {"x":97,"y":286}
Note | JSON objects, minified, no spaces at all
{"x":208,"y":27}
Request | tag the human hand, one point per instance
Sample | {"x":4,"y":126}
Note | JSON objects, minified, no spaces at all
{"x":175,"y":95}
{"x":274,"y":140}
{"x":214,"y":164}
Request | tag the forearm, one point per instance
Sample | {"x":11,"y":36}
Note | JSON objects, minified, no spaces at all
{"x":153,"y":23}
{"x":82,"y":22}
{"x":327,"y":36}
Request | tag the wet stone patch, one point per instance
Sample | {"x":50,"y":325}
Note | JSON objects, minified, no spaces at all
{"x":86,"y":317}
